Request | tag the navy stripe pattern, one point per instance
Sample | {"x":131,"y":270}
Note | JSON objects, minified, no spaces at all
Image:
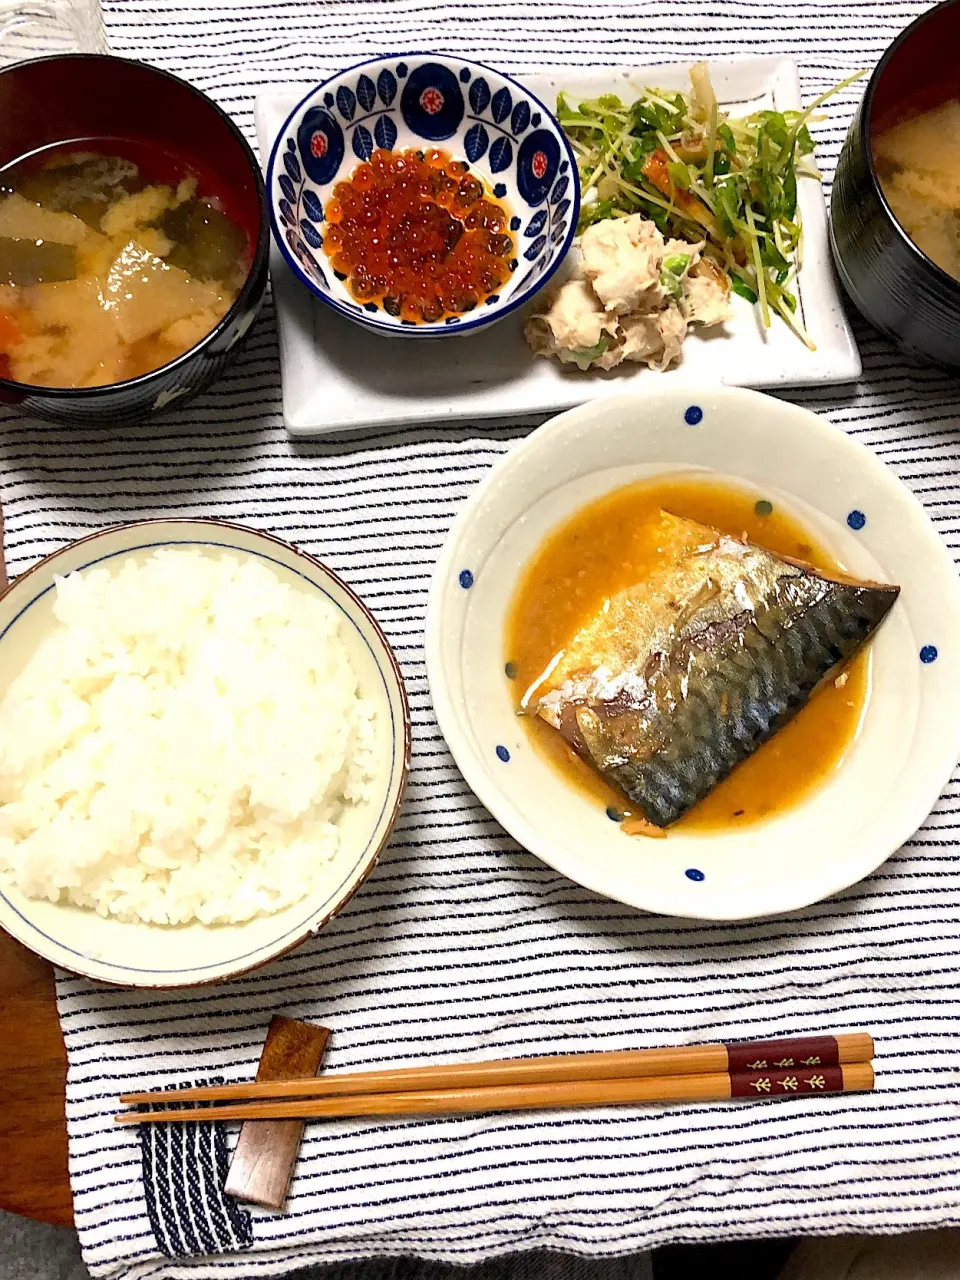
{"x":184,"y":1171}
{"x":462,"y":945}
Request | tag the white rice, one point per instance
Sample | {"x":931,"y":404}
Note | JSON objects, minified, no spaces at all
{"x":181,"y":746}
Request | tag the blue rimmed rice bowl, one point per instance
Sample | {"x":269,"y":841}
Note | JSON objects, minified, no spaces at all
{"x":509,"y":139}
{"x":126,"y":953}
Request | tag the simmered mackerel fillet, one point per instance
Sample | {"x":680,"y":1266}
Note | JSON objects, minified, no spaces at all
{"x":679,"y":678}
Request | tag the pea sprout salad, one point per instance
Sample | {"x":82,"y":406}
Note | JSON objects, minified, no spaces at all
{"x":702,"y":175}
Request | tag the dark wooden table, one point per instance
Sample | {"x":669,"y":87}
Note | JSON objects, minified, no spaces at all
{"x":33,"y":1073}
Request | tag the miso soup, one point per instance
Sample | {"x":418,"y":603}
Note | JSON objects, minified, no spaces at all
{"x":109,"y":270}
{"x":918,"y":164}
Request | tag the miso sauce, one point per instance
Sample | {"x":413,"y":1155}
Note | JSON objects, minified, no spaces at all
{"x":606,"y":547}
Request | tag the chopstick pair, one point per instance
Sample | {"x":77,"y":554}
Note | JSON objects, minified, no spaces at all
{"x":686,"y":1073}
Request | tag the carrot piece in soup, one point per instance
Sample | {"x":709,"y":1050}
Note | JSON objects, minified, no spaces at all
{"x":9,"y":330}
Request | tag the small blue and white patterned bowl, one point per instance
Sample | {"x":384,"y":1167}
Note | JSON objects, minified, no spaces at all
{"x":506,"y":135}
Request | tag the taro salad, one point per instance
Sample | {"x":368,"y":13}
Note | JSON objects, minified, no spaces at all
{"x":702,"y":176}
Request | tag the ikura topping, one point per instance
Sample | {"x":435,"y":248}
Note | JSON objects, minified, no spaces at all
{"x":418,"y":234}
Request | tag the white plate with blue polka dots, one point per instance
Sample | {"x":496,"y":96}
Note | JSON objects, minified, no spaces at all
{"x":909,"y":738}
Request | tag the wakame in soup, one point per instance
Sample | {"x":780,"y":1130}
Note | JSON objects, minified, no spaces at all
{"x":105,"y":275}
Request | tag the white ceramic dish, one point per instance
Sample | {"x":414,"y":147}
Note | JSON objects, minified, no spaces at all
{"x":910,"y":734}
{"x":156,"y":956}
{"x":336,"y":378}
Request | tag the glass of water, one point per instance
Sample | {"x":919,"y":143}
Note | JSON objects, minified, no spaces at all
{"x":40,"y":28}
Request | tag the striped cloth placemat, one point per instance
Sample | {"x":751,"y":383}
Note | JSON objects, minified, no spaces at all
{"x":462,"y":945}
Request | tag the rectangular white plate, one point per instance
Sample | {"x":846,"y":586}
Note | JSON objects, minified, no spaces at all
{"x":337,"y":376}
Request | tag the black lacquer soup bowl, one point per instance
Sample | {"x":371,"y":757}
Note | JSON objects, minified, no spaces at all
{"x":893,"y":283}
{"x":52,"y":101}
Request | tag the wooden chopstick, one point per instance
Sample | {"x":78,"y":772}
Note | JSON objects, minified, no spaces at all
{"x":573,"y":1093}
{"x":702,"y":1059}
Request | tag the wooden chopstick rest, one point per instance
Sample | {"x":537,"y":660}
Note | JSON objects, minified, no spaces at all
{"x":266,"y":1152}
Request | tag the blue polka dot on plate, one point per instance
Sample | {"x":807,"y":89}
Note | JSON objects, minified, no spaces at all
{"x":693,"y":415}
{"x":692,"y":873}
{"x":928,"y":653}
{"x":614,"y":814}
{"x":503,"y":754}
{"x":466,"y":579}
{"x":856,"y":520}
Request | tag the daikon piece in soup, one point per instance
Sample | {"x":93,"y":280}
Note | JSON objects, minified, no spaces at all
{"x":109,"y":271}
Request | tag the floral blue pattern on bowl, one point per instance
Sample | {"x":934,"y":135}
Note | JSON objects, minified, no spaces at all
{"x":506,"y":135}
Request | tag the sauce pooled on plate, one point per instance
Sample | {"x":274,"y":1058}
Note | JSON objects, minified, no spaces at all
{"x":609,"y":546}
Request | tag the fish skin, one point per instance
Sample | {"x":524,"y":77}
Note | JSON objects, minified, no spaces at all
{"x":681,"y":678}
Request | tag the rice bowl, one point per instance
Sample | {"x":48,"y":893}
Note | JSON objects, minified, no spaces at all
{"x":180,"y":745}
{"x":312,"y":772}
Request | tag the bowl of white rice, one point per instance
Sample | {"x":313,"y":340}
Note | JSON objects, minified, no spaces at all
{"x":204,"y":744}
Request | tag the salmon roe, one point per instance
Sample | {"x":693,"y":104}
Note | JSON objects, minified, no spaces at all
{"x":418,"y":234}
